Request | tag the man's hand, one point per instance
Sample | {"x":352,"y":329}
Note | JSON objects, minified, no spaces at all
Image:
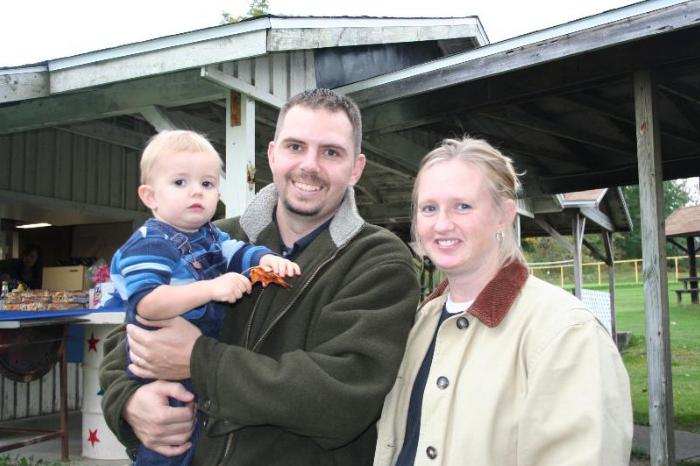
{"x":160,"y":427}
{"x":164,"y":353}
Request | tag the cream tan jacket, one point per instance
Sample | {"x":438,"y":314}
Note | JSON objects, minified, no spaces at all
{"x":533,"y":380}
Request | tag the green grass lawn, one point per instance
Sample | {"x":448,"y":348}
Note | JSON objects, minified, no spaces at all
{"x":685,"y":354}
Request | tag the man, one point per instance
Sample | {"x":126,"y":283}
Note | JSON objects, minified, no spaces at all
{"x":299,"y":376}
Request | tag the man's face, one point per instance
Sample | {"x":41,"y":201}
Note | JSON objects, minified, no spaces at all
{"x":313,"y":162}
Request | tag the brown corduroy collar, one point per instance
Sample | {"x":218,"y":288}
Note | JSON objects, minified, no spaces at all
{"x":497,"y":297}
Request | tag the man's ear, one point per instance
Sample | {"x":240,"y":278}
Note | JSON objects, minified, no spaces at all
{"x":147,"y":196}
{"x":357,"y":169}
{"x":271,"y":152}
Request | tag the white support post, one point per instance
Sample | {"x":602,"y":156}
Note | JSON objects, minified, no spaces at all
{"x":578,"y":225}
{"x":610,"y":262}
{"x":654,"y":266}
{"x":238,"y":188}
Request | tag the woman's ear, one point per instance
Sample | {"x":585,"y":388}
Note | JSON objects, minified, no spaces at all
{"x":508,"y":212}
{"x":147,"y":196}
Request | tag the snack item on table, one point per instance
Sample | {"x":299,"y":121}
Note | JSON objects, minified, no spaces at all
{"x":78,"y":297}
{"x":64,"y":306}
{"x":45,"y":300}
{"x":13,"y":297}
{"x":11,"y":307}
{"x":33,"y":296}
{"x":33,"y":306}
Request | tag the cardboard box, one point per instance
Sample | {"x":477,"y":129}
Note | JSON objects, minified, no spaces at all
{"x":71,"y":278}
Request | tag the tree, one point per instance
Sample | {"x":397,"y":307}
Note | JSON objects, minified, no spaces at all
{"x":256,"y":8}
{"x":629,"y":245}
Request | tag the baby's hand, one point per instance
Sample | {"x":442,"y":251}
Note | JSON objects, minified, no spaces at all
{"x":281,"y":266}
{"x":229,"y":287}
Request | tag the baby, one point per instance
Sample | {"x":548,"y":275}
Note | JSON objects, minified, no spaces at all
{"x":178,"y":263}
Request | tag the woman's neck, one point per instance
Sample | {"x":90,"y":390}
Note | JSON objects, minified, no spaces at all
{"x":466,"y":285}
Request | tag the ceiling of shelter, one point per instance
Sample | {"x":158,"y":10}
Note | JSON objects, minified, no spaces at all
{"x":569,"y":124}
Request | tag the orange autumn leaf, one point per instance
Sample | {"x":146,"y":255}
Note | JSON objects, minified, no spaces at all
{"x":258,"y":274}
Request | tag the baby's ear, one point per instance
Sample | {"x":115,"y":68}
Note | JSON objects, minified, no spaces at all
{"x":147,"y":196}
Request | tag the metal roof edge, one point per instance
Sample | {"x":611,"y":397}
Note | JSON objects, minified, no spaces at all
{"x":560,"y":199}
{"x":319,"y":22}
{"x":579,"y":204}
{"x":151,"y":45}
{"x":572,"y":27}
{"x":253,"y":24}
{"x":24,"y":69}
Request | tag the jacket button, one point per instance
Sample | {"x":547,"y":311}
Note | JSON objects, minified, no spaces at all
{"x":431,"y":452}
{"x":462,"y":323}
{"x":443,"y":382}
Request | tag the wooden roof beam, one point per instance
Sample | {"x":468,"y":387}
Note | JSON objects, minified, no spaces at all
{"x":685,"y":91}
{"x":387,"y":161}
{"x":125,"y":98}
{"x":400,"y":212}
{"x":613,"y":111}
{"x":687,"y":108}
{"x":513,"y":147}
{"x":518,"y":118}
{"x":158,"y":118}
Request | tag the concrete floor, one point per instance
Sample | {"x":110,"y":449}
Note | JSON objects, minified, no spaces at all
{"x":50,"y":450}
{"x":687,"y":444}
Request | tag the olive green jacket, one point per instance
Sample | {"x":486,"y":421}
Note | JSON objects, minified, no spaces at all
{"x":298,"y":376}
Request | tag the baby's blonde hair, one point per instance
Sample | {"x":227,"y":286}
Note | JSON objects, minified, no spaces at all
{"x":172,"y":142}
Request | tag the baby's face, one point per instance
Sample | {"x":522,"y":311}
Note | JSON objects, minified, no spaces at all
{"x":185,"y":187}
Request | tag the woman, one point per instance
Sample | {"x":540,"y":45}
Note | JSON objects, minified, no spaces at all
{"x":26,"y":269}
{"x":501,"y":368}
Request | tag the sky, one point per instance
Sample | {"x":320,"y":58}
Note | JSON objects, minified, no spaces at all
{"x":33,"y":31}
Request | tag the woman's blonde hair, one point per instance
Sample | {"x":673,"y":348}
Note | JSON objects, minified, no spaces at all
{"x":500,"y":176}
{"x":172,"y":142}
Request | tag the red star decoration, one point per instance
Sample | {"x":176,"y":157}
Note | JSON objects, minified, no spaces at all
{"x":93,"y":437}
{"x":93,"y":343}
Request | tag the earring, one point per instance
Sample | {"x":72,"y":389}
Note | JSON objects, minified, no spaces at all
{"x":499,"y":236}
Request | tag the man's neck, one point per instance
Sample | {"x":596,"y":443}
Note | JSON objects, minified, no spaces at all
{"x":294,"y":227}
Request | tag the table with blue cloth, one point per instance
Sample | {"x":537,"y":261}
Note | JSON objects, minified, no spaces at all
{"x":31,"y":342}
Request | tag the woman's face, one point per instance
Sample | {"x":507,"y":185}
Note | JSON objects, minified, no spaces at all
{"x":30,"y":258}
{"x":457,"y":219}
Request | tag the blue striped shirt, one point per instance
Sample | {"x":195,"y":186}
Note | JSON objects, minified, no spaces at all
{"x":149,"y":259}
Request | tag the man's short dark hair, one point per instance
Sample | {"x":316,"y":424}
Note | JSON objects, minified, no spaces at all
{"x":328,"y":100}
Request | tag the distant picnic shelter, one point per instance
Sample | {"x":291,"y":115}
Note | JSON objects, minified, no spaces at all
{"x":684,"y":223}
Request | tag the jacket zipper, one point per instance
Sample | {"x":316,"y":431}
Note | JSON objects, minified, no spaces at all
{"x":249,"y":328}
{"x":264,"y":336}
{"x":229,"y":441}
